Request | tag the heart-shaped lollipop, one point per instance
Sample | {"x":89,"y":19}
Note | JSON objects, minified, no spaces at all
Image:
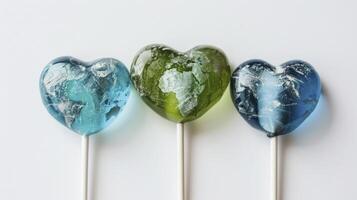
{"x":84,"y":97}
{"x":276,"y":99}
{"x":180,"y":86}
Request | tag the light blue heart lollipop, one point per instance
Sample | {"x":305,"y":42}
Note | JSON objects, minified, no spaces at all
{"x":85,"y":97}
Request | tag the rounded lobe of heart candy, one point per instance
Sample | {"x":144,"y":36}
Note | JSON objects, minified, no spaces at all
{"x":85,"y":97}
{"x":179,"y":86}
{"x":275,"y":99}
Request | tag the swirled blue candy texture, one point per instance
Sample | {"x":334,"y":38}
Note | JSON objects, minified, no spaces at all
{"x":84,"y":97}
{"x":275,"y":99}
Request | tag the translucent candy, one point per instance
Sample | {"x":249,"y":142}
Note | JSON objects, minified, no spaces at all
{"x":275,"y":99}
{"x":84,"y":97}
{"x":180,"y":86}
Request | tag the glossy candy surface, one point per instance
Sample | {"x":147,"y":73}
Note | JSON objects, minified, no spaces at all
{"x":275,"y":99}
{"x":85,"y":97}
{"x":180,"y":86}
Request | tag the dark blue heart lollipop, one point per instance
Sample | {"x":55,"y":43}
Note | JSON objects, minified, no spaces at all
{"x":275,"y":99}
{"x":85,"y":97}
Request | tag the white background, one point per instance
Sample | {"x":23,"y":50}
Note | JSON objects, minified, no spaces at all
{"x":135,"y":158}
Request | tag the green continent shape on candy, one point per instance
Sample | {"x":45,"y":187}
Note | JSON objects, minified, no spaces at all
{"x":180,"y":86}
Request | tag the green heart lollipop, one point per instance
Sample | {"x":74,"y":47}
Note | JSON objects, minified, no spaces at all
{"x":180,"y":86}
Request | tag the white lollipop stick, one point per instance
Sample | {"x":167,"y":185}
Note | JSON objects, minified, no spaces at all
{"x":85,"y":149}
{"x":180,"y":162}
{"x":274,"y":168}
